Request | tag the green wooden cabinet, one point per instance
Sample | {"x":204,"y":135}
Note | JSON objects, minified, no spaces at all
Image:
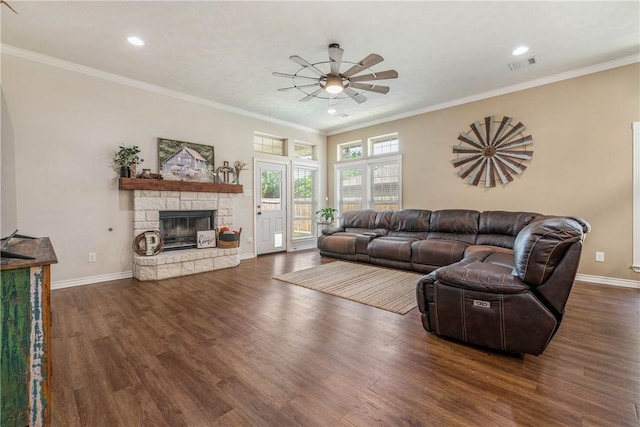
{"x":25,"y":364}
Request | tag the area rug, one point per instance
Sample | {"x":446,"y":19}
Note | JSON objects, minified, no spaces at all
{"x":385,"y":288}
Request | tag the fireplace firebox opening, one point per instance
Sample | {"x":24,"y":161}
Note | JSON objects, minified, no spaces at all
{"x":178,"y":228}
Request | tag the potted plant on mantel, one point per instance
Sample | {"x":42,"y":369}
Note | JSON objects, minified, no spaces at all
{"x":327,"y":215}
{"x":127,"y":158}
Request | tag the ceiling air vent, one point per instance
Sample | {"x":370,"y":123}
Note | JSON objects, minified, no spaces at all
{"x":343,"y":115}
{"x":524,"y":63}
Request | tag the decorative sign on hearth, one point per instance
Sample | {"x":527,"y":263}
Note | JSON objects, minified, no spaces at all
{"x":206,"y":239}
{"x":492,"y":151}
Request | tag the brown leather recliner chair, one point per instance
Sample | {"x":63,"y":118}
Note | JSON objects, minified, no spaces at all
{"x":507,"y":301}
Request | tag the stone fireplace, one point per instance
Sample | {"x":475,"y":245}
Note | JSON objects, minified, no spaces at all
{"x":191,"y":208}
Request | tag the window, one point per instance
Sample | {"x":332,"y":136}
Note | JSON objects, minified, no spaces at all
{"x":303,"y":151}
{"x":350,"y":150}
{"x":304,"y":185}
{"x":350,"y":188}
{"x":269,"y":144}
{"x":374,"y":184}
{"x":385,"y":144}
{"x":385,"y":183}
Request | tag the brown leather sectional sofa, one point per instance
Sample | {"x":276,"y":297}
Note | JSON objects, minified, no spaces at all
{"x":496,"y":279}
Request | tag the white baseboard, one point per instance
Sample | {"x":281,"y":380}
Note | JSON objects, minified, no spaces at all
{"x":60,"y":284}
{"x":247,"y":256}
{"x":612,"y":281}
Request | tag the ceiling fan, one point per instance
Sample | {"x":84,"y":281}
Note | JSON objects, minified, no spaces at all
{"x":315,"y":83}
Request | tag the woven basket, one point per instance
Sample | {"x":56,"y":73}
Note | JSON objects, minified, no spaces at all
{"x":228,"y":241}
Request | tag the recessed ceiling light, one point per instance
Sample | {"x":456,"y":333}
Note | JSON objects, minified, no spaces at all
{"x":331,"y":111}
{"x":136,"y":41}
{"x":520,"y":50}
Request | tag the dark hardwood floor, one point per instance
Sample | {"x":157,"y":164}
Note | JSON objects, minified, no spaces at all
{"x":236,"y":347}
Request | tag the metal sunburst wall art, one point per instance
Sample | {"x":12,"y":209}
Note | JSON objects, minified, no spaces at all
{"x":492,"y":151}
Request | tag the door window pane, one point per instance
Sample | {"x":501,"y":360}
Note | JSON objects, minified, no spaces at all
{"x":271,"y":194}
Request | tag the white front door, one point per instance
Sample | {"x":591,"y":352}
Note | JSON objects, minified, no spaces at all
{"x":271,"y":208}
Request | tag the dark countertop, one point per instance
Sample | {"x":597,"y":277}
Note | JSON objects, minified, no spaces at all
{"x":40,"y":248}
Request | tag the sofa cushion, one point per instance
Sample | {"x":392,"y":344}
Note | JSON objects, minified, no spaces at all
{"x":454,"y":224}
{"x":413,"y":223}
{"x":365,"y":220}
{"x":499,"y":228}
{"x":392,"y":248}
{"x":437,"y":252}
{"x":541,"y":245}
{"x":338,"y":243}
{"x":362,"y":219}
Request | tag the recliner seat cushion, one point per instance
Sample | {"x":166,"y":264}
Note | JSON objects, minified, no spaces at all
{"x":392,"y":248}
{"x":339,"y":243}
{"x":482,"y":277}
{"x":437,"y":252}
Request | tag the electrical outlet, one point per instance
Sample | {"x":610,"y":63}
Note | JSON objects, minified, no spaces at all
{"x":249,"y":240}
{"x":92,"y":257}
{"x":600,"y":256}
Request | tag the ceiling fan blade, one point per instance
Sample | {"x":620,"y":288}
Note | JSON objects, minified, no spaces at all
{"x":311,"y":95}
{"x":367,"y":62}
{"x":304,"y":63}
{"x":7,"y":4}
{"x":335,"y":55}
{"x":276,"y":74}
{"x":372,"y":88}
{"x":382,"y":75}
{"x":284,"y":89}
{"x":355,"y":95}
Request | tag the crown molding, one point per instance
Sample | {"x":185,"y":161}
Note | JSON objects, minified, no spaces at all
{"x":620,"y":62}
{"x":93,"y":72}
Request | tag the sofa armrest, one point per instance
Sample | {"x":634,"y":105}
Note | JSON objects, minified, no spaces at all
{"x":332,"y":230}
{"x":481,"y":277}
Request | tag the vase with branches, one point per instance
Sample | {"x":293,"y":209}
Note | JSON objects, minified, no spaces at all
{"x":238,"y":166}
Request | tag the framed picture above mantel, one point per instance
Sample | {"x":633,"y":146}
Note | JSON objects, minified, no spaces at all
{"x":185,"y":161}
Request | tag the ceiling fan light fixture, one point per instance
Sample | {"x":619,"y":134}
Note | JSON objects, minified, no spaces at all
{"x":520,"y":50}
{"x":136,"y":41}
{"x":334,"y":85}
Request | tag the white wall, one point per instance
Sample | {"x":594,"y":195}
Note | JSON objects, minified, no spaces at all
{"x":8,"y":209}
{"x":65,"y":127}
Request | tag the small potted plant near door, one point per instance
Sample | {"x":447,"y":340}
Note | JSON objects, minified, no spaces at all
{"x":127,"y":158}
{"x":327,"y":215}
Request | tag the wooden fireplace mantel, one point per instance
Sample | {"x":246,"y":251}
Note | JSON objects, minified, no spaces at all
{"x":168,"y":185}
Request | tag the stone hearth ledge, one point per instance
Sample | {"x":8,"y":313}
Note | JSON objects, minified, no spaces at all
{"x":183,"y":263}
